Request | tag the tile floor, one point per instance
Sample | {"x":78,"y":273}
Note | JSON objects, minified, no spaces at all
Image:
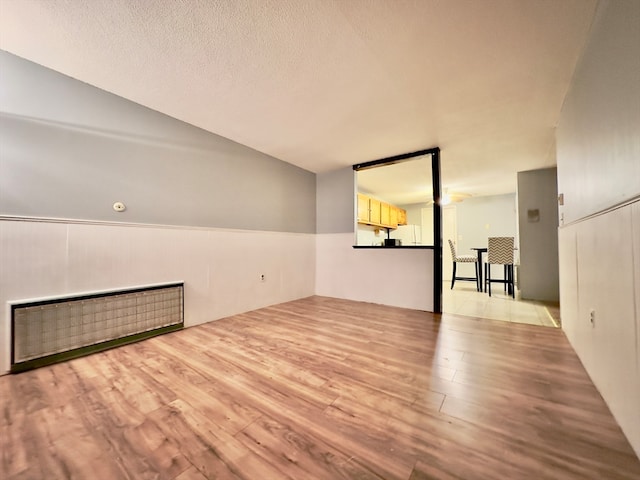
{"x":465,"y":300}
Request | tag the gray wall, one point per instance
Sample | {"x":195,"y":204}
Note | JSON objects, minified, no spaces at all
{"x":70,"y":150}
{"x":538,"y":272}
{"x":598,"y":137}
{"x":483,"y":217}
{"x":335,"y":201}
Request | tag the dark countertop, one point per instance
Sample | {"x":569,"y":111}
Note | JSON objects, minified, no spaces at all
{"x":401,"y":247}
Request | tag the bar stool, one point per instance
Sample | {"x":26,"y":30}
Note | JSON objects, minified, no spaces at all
{"x":500,"y":252}
{"x":462,"y":259}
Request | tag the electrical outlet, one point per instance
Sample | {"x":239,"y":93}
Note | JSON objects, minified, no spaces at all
{"x":592,"y":317}
{"x":263,"y":278}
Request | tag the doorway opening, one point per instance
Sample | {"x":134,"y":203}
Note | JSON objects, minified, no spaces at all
{"x":469,"y":224}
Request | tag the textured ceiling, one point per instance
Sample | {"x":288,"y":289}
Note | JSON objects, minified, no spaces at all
{"x":324,"y":84}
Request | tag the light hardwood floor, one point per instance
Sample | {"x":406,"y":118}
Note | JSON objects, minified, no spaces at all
{"x":318,"y":388}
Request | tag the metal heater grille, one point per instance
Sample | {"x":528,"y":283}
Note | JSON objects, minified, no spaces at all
{"x":48,"y":330}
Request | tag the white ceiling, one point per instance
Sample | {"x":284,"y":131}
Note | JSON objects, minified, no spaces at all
{"x":399,"y":183}
{"x":324,"y":84}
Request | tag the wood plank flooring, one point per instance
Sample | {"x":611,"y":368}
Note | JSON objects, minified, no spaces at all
{"x":318,"y":388}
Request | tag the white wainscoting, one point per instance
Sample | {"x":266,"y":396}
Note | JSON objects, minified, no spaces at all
{"x":220,"y":268}
{"x":400,"y":277}
{"x":600,"y":271}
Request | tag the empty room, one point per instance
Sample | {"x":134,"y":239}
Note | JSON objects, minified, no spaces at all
{"x":306,"y":239}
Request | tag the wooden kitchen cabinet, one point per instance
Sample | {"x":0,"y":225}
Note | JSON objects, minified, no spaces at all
{"x":393,"y":216}
{"x":363,"y":209}
{"x":402,"y":216}
{"x":385,"y":214}
{"x":372,"y":211}
{"x":368,"y":210}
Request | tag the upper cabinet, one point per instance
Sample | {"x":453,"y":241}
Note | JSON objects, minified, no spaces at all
{"x":363,"y":208}
{"x":402,"y":216}
{"x":368,"y":210}
{"x":375,"y":214}
{"x":393,"y":215}
{"x":372,"y":211}
{"x":385,"y":214}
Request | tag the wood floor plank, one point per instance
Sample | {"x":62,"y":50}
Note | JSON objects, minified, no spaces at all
{"x":426,"y":471}
{"x":544,"y":439}
{"x":14,"y":443}
{"x":217,"y":404}
{"x":384,"y":400}
{"x":300,"y":454}
{"x":271,"y":398}
{"x":194,"y":447}
{"x":318,"y":388}
{"x":231,"y":451}
{"x":423,"y":436}
{"x":148,"y":441}
{"x":192,"y":473}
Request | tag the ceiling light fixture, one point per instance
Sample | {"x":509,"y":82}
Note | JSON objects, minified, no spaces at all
{"x":452,"y":197}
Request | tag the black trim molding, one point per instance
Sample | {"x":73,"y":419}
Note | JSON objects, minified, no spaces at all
{"x":437,"y":231}
{"x":395,"y":159}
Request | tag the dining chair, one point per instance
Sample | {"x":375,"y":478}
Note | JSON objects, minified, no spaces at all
{"x":500,"y":252}
{"x":462,"y":259}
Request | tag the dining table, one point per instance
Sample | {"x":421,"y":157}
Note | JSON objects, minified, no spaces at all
{"x":480,"y":251}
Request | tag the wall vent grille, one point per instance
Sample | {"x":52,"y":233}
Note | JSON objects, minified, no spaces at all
{"x":48,"y":331}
